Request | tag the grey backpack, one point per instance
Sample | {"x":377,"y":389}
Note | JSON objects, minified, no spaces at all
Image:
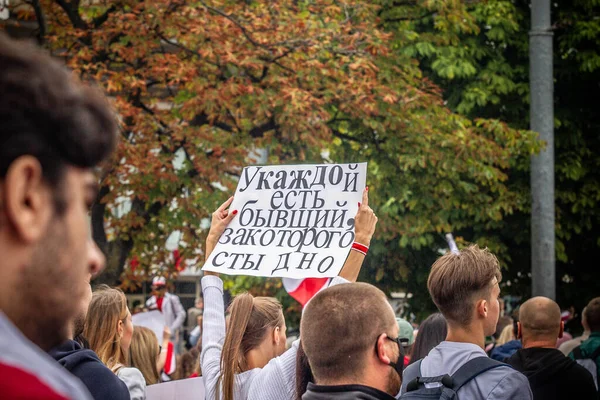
{"x":588,"y":362}
{"x":448,"y":385}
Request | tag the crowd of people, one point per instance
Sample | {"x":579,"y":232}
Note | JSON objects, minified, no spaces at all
{"x":62,"y":341}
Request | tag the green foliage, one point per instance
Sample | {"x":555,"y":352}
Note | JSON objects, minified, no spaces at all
{"x":482,"y":66}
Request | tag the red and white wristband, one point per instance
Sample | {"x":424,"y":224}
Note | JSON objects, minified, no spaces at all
{"x":361,"y":248}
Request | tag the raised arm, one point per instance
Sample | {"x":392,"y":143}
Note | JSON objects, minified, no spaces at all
{"x":220,"y":219}
{"x":213,"y":323}
{"x":364,"y":226}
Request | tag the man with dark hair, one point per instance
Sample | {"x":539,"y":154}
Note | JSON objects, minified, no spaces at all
{"x":54,"y":131}
{"x":551,"y":375}
{"x":350,"y":337}
{"x":465,"y":288}
{"x":589,"y":350}
{"x":82,"y":362}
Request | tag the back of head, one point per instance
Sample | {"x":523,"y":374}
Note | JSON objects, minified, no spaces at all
{"x":144,"y":353}
{"x":251,"y":319}
{"x":540,"y":320}
{"x":107,"y":308}
{"x":187,"y":364}
{"x":50,"y":123}
{"x":592,"y":315}
{"x":47,"y":114}
{"x":457,"y":281}
{"x":339,"y":328}
{"x":432,"y":332}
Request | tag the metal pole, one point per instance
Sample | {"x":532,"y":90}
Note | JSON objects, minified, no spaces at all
{"x":542,"y":165}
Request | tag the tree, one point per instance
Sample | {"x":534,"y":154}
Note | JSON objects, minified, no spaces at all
{"x":209,"y":82}
{"x":477,"y":52}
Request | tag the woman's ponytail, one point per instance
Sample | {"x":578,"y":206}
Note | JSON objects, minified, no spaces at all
{"x":232,"y":356}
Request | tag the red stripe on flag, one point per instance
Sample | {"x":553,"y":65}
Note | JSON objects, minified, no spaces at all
{"x":16,"y":383}
{"x":307,"y":289}
{"x":170,"y":362}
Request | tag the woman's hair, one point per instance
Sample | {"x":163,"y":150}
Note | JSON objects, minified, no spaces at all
{"x":251,"y":319}
{"x":303,"y":372}
{"x":506,"y":336}
{"x":107,"y":308}
{"x":187,"y":364}
{"x":432,"y":332}
{"x":144,"y":353}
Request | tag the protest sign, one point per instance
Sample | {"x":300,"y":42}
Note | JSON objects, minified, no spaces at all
{"x":294,"y":221}
{"x":185,"y":389}
{"x":153,"y":320}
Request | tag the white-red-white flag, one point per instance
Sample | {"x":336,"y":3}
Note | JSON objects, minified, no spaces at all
{"x":171,"y":363}
{"x":304,"y":289}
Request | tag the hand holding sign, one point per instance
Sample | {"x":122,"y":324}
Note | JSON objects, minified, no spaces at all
{"x":293,"y":221}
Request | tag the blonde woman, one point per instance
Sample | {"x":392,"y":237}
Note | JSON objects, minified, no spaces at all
{"x":145,"y":354}
{"x":109,"y":330}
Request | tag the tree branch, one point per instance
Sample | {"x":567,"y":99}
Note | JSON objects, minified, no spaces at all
{"x":104,"y":17}
{"x":236,"y":23}
{"x":72,"y":10}
{"x":41,"y":20}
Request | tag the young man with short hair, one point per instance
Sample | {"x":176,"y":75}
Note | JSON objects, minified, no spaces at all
{"x":54,"y":132}
{"x":465,"y":288}
{"x":551,"y":375}
{"x":350,"y":337}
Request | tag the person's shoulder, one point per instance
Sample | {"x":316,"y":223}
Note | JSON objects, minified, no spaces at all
{"x":129,"y":372}
{"x":504,"y":382}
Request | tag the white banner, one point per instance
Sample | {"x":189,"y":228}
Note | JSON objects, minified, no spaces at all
{"x":294,"y":221}
{"x":153,"y":320}
{"x":185,"y":389}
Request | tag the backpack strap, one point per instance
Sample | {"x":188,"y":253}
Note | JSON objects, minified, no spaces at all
{"x":412,"y":377}
{"x":473,"y":368}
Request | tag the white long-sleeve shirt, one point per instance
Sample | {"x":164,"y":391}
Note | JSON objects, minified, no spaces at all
{"x":275,"y":381}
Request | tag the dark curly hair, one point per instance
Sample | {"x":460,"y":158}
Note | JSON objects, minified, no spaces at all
{"x":46,"y":113}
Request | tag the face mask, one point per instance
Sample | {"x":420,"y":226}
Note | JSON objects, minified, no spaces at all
{"x":399,"y":364}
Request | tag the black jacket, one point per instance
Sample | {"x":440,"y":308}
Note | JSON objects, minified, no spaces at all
{"x":101,"y":382}
{"x":344,"y":392}
{"x":551,"y":375}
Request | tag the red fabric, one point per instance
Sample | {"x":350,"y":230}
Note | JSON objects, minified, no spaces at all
{"x":361,"y":248}
{"x":170,"y":363}
{"x":16,"y":384}
{"x":194,"y":375}
{"x":406,"y":361}
{"x":159,"y":301}
{"x":307,"y":289}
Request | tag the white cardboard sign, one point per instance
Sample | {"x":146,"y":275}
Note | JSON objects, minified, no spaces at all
{"x":294,"y":221}
{"x":185,"y":389}
{"x":154,"y":320}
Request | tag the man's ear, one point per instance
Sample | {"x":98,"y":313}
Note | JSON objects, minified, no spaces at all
{"x":519,"y":331}
{"x":482,"y":307}
{"x":26,"y":199}
{"x":383,"y":354}
{"x":562,"y":329}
